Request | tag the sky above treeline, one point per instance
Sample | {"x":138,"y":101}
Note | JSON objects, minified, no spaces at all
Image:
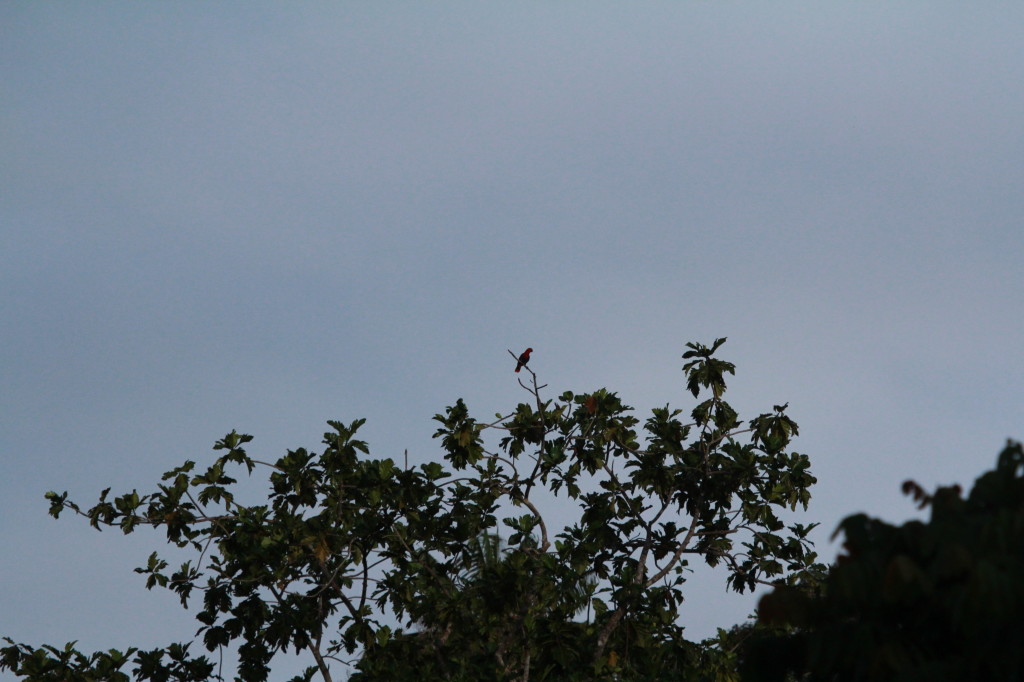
{"x":263,"y":216}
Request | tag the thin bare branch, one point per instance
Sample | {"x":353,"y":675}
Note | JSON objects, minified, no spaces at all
{"x":683,"y":546}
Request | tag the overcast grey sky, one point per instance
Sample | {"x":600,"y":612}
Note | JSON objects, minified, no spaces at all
{"x":260,"y":216}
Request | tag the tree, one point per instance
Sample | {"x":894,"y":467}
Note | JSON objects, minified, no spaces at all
{"x":400,"y":568}
{"x":935,"y":600}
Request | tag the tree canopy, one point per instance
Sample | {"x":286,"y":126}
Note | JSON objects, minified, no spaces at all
{"x":926,"y":600}
{"x":470,"y":567}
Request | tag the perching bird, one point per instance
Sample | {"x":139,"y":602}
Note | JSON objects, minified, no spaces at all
{"x":523,"y":359}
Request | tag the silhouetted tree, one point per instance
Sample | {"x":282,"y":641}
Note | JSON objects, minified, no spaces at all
{"x":347,"y":548}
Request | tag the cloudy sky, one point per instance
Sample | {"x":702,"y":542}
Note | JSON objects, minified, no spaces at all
{"x":263,"y":216}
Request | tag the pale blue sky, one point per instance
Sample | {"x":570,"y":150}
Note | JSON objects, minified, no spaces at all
{"x":263,"y":216}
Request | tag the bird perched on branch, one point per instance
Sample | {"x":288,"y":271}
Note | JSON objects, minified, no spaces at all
{"x":523,"y":359}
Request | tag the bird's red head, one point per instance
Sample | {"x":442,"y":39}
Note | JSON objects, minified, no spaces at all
{"x":528,"y":350}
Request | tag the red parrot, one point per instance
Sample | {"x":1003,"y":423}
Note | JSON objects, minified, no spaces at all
{"x":524,"y":358}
